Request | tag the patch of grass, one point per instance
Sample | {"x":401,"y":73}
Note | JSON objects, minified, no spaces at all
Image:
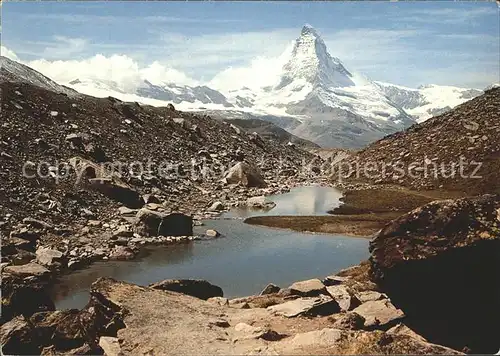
{"x":369,"y":201}
{"x":352,"y":225}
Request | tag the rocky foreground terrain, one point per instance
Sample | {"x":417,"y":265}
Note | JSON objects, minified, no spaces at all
{"x":431,"y":279}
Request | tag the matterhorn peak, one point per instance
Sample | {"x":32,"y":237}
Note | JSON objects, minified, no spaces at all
{"x":310,"y":61}
{"x":309,"y":30}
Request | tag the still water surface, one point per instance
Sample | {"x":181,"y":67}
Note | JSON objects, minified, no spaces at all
{"x":243,"y":261}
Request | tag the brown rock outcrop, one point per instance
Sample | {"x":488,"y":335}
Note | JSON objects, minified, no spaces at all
{"x":439,"y":264}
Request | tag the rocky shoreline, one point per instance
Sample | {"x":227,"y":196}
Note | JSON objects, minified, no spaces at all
{"x":362,"y":309}
{"x":340,"y":314}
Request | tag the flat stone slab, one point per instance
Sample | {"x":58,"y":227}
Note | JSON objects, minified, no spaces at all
{"x":370,"y":296}
{"x":47,"y":256}
{"x":344,"y":297}
{"x":379,"y":313}
{"x":334,"y":280}
{"x":308,"y":288}
{"x":30,"y":269}
{"x":306,"y":306}
{"x":110,"y":345}
{"x":318,"y":338}
{"x":270,"y":288}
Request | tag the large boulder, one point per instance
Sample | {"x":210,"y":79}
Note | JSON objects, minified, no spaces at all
{"x":154,"y":223}
{"x":96,"y":177}
{"x":246,"y":175}
{"x":31,"y":269}
{"x":379,"y":314}
{"x":148,"y":222}
{"x":47,"y":257}
{"x":20,"y":297}
{"x":68,"y":331}
{"x":344,"y":296}
{"x":439,"y":264}
{"x":117,"y":190}
{"x":194,"y":287}
{"x":260,"y":202}
{"x":18,"y":338}
{"x":309,"y":288}
{"x":176,"y":224}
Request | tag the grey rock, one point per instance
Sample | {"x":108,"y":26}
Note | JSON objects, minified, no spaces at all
{"x":260,"y":202}
{"x":379,"y":314}
{"x":110,"y":346}
{"x":47,"y":256}
{"x":246,"y":175}
{"x":217,"y":206}
{"x":194,"y":287}
{"x":308,"y":288}
{"x":306,"y":306}
{"x":212,"y":233}
{"x":270,"y":289}
{"x":30,"y":269}
{"x":345,"y":297}
{"x":123,"y":210}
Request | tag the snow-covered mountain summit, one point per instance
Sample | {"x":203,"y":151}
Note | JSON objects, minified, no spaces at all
{"x":335,"y":106}
{"x":311,"y":62}
{"x":189,"y":97}
{"x":427,"y":100}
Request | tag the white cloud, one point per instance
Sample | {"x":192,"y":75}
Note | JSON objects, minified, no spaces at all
{"x":9,"y":54}
{"x":214,"y":52}
{"x":157,"y":73}
{"x":261,"y":72}
{"x":120,"y":69}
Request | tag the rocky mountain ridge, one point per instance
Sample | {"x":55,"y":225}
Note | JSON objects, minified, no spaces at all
{"x":322,"y":100}
{"x":455,"y":151}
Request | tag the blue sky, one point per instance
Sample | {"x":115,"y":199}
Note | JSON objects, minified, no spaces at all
{"x":407,"y":43}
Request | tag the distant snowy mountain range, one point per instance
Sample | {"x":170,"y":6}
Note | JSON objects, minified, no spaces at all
{"x":314,"y":97}
{"x":429,"y":100}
